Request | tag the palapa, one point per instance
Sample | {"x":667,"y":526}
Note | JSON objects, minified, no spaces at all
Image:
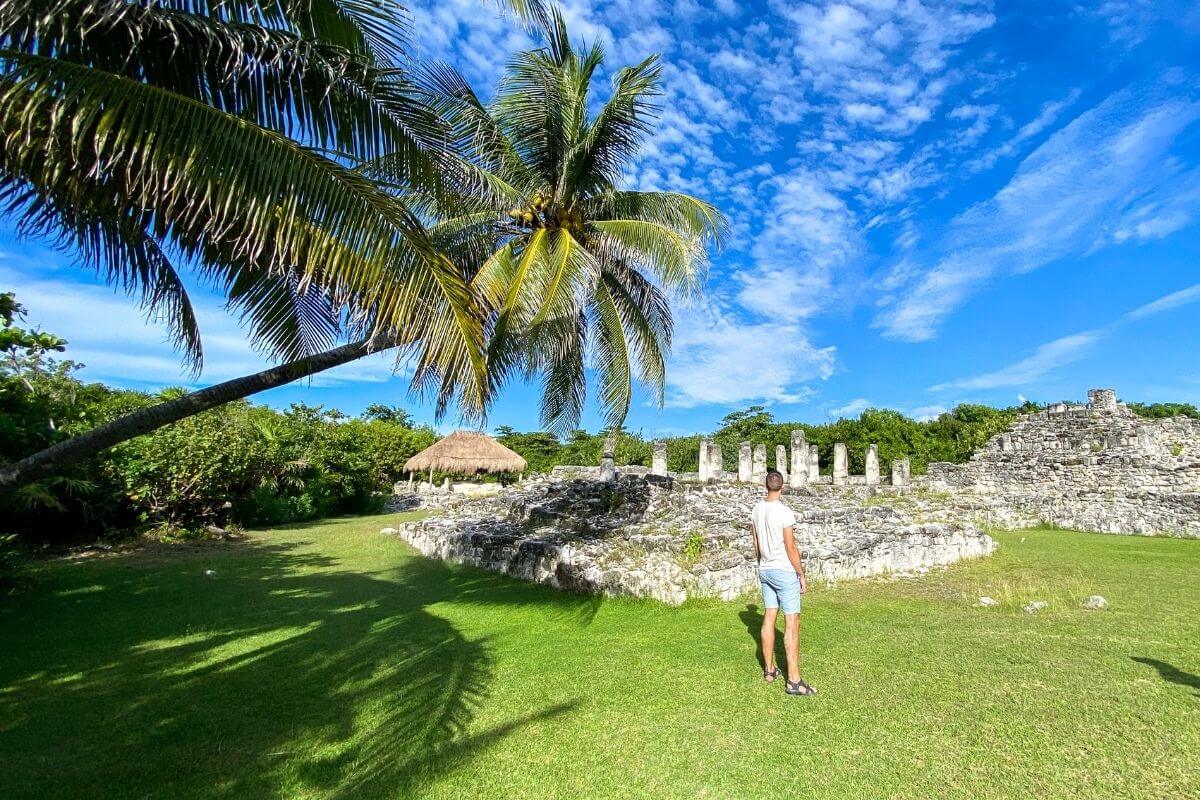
{"x":466,"y":452}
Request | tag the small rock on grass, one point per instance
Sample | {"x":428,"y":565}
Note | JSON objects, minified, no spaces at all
{"x":988,"y":602}
{"x":1095,"y":603}
{"x":210,"y":572}
{"x":1035,"y":606}
{"x":388,"y":531}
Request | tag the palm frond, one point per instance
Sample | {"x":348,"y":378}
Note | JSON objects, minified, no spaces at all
{"x":676,"y":259}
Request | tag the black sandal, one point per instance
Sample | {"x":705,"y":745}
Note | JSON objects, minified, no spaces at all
{"x":799,"y":688}
{"x":770,"y":677}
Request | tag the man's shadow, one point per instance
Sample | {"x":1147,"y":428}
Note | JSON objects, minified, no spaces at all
{"x":1171,"y":673}
{"x":753,"y":618}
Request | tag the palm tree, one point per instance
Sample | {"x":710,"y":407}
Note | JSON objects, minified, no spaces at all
{"x":575,"y":270}
{"x":226,"y":136}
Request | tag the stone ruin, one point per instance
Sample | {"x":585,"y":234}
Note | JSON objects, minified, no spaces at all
{"x":652,"y":536}
{"x":1095,"y":467}
{"x":647,"y":532}
{"x":805,"y":468}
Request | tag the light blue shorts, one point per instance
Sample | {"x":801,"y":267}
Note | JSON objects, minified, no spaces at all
{"x":781,"y":589}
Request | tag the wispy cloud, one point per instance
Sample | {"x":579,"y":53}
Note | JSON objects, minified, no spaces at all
{"x":1046,"y":117}
{"x":1078,"y":182}
{"x":850,"y":409}
{"x":1068,"y":349}
{"x":116,"y":343}
{"x":1047,"y":357}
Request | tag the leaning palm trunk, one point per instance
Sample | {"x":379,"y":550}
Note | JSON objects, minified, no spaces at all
{"x":54,"y":459}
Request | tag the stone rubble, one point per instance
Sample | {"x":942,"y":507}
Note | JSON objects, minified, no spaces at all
{"x":1097,"y":467}
{"x":648,"y":536}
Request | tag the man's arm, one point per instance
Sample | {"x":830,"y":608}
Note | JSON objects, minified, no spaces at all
{"x":754,"y":538}
{"x":793,"y":554}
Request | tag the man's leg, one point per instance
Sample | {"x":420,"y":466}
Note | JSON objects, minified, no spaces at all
{"x":767,"y":634}
{"x":791,"y":645}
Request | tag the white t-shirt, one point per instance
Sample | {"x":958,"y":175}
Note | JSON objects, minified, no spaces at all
{"x":770,"y":518}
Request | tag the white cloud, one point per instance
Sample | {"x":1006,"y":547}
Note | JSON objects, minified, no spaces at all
{"x":849,"y":410}
{"x":927,"y":413}
{"x":1079,"y":181}
{"x":109,"y":334}
{"x":1068,"y":349}
{"x":1168,"y":303}
{"x":720,"y":359}
{"x":1046,"y":358}
{"x":1046,"y":117}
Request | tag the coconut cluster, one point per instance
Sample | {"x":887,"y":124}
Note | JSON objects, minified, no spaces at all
{"x":540,"y":214}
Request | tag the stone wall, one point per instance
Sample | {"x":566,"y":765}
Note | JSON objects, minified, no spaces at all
{"x":659,"y":538}
{"x":1095,"y":467}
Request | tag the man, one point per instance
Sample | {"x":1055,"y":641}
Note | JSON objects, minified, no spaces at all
{"x":782,"y":575}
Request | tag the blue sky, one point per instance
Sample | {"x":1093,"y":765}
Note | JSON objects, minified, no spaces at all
{"x":931,"y":203}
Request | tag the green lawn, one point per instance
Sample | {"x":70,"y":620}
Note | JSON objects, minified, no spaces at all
{"x":329,"y":661}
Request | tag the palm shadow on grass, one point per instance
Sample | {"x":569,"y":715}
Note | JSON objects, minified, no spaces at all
{"x":279,"y":676}
{"x":1171,"y":673}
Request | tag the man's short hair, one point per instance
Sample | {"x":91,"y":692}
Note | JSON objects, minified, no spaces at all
{"x":774,"y":480}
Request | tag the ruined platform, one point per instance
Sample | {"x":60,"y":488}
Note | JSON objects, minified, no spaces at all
{"x":646,"y":536}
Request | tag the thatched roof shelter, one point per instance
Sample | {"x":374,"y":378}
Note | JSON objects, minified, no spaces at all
{"x":466,"y":452}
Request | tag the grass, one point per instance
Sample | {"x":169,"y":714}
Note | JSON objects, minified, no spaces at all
{"x":328,"y":661}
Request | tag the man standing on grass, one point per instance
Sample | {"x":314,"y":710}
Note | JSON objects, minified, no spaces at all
{"x":782,"y":575}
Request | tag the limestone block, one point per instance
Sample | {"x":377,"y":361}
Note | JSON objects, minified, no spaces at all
{"x":716,"y":462}
{"x":759,"y":473}
{"x":745,"y":463}
{"x":841,"y":464}
{"x":781,"y":462}
{"x":798,"y":476}
{"x":871,"y":470}
{"x":658,"y":462}
{"x":705,"y":447}
{"x":814,"y":464}
{"x":901,"y":472}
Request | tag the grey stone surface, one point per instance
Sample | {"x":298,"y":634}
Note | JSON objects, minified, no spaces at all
{"x":759,"y":473}
{"x":745,"y":463}
{"x":814,"y":464}
{"x":988,"y":602}
{"x":705,"y":450}
{"x":658,"y":461}
{"x":798,"y":475}
{"x":841,"y":464}
{"x":1095,"y":603}
{"x":1097,"y":467}
{"x":629,"y":537}
{"x":871,"y":466}
{"x":1036,"y":606}
{"x":781,"y":462}
{"x":901,"y":472}
{"x":716,"y":462}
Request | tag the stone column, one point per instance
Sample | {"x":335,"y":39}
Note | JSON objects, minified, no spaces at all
{"x":872,"y":465}
{"x":841,"y":465}
{"x":705,"y":445}
{"x":781,"y":461}
{"x":814,"y":464}
{"x":799,"y":473}
{"x":759,"y":473}
{"x":658,"y":462}
{"x":608,"y":462}
{"x":716,"y":462}
{"x":745,"y":463}
{"x":901,"y":472}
